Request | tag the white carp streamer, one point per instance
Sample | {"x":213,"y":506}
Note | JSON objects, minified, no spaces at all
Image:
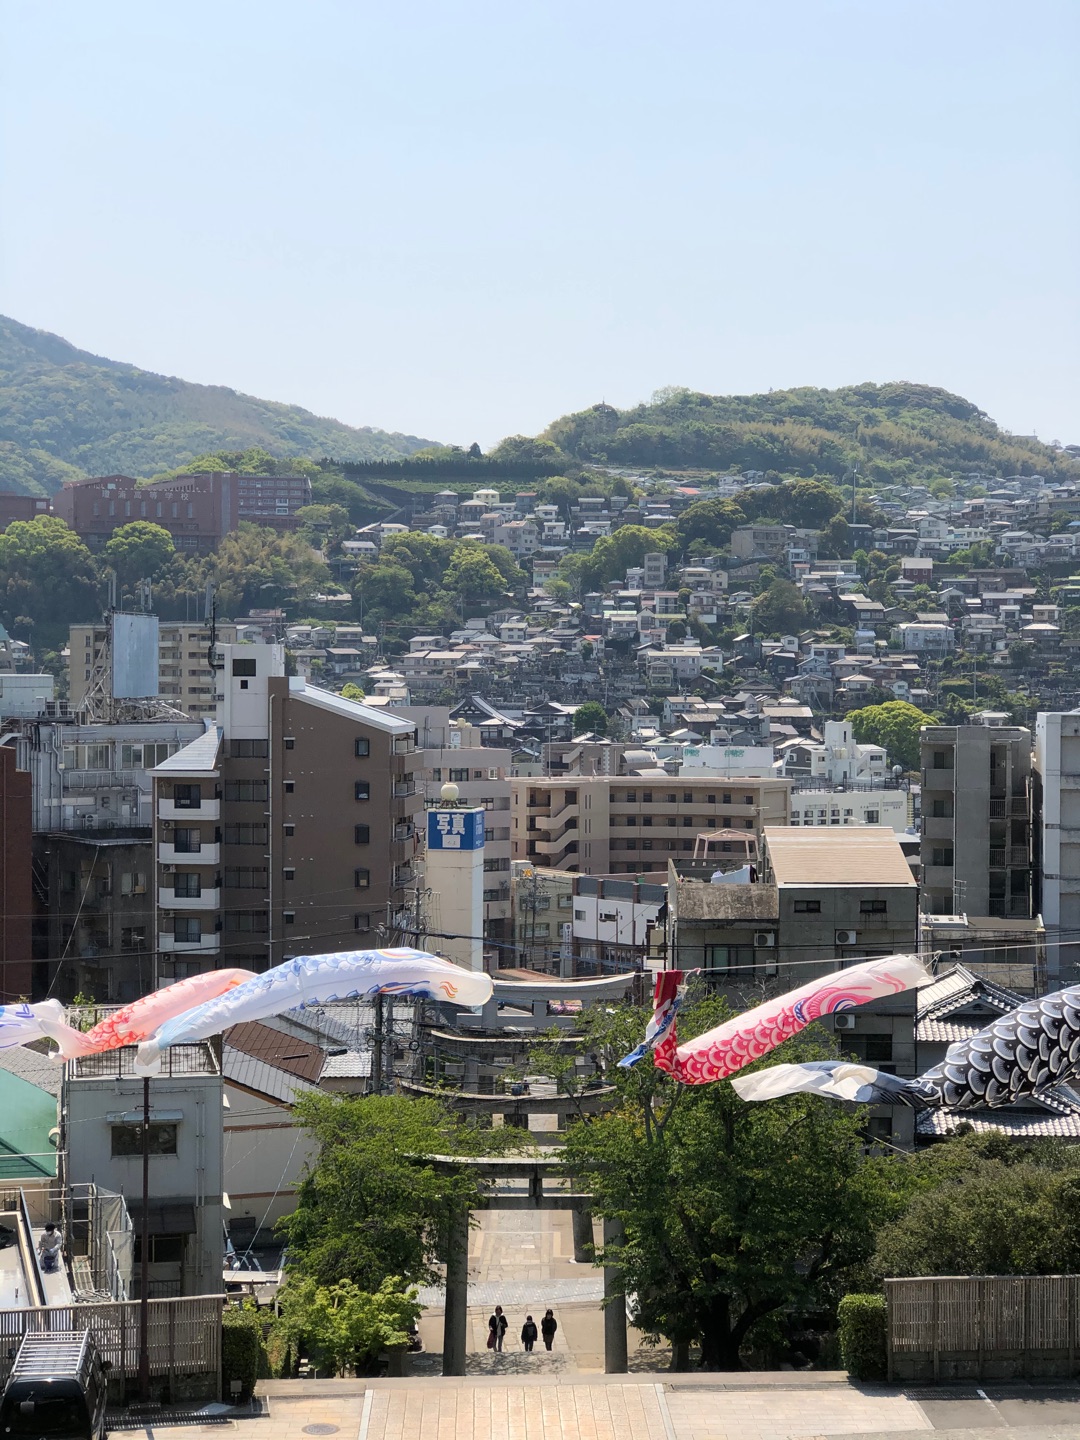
{"x":316,"y":980}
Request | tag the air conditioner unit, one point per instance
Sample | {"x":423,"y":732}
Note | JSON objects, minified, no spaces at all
{"x":764,"y":938}
{"x":847,"y":937}
{"x":844,"y":1022}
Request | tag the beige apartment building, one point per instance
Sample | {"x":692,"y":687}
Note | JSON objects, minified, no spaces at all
{"x":288,"y":828}
{"x":185,"y":677}
{"x":623,"y":825}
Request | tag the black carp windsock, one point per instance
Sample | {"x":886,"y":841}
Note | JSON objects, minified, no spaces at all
{"x":1031,"y":1049}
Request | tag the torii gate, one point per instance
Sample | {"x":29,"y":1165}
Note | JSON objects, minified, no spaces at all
{"x":457,"y":1249}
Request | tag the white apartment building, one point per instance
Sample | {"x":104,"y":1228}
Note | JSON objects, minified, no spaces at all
{"x":852,"y":807}
{"x":841,"y":758}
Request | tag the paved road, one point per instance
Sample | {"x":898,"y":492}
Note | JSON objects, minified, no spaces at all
{"x":647,"y":1407}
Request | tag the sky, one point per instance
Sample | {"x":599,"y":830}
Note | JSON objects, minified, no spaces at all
{"x":462,"y":220}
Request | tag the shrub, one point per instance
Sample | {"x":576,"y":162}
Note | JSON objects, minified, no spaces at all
{"x":862,"y":1336}
{"x":241,"y":1353}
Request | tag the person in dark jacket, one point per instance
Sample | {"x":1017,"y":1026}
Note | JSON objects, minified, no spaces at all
{"x":497,"y":1327}
{"x":528,"y":1333}
{"x":548,"y":1326}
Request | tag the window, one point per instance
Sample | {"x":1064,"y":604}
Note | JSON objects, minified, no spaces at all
{"x":670,"y":798}
{"x":289,"y":786}
{"x":187,"y":930}
{"x":133,"y":882}
{"x":362,"y":790}
{"x":458,"y":775}
{"x":873,"y":907}
{"x":363,"y":747}
{"x":243,"y":667}
{"x":727,"y":798}
{"x":362,"y":920}
{"x":941,"y":809}
{"x":127,"y":1140}
{"x":807,"y":907}
{"x":248,"y":749}
{"x":289,"y":917}
{"x":579,"y":914}
{"x":878,"y":1048}
{"x":646,"y":844}
{"x":245,"y":877}
{"x":646,"y":796}
{"x":187,"y":842}
{"x":245,"y":834}
{"x":248,"y":922}
{"x":289,"y":829}
{"x":687,"y":797}
{"x":187,"y":797}
{"x":748,"y":824}
{"x":289,"y":873}
{"x":873,"y":817}
{"x":362,"y":879}
{"x":942,"y":760}
{"x":941,"y":855}
{"x":491,"y":866}
{"x":290,"y":742}
{"x":726,"y":958}
{"x":246,"y":790}
{"x":361,"y":834}
{"x":133,"y":937}
{"x":879,"y":1129}
{"x":631,"y":795}
{"x":630,"y":820}
{"x":188,"y":885}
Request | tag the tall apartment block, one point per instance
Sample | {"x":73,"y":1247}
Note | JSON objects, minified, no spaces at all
{"x":288,"y":828}
{"x":186,"y":678}
{"x":625,"y":825}
{"x":1057,"y":841}
{"x":976,"y":817}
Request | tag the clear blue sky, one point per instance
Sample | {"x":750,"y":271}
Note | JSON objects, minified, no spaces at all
{"x":464,"y":219}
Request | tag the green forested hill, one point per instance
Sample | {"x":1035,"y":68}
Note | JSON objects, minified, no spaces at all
{"x":897,"y":432}
{"x":66,"y":413}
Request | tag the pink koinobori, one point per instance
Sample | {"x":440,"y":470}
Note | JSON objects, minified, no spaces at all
{"x":745,"y":1038}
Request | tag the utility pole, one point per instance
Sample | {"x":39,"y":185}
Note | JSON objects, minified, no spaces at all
{"x":144,"y":1257}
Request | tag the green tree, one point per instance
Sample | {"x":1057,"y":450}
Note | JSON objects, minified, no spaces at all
{"x":426,"y":557}
{"x":370,"y":1204}
{"x":731,"y":1212}
{"x":255,"y":566}
{"x":386,"y":591}
{"x":711,"y":522}
{"x":139,"y":551}
{"x":614,"y":554}
{"x":344,"y":1325}
{"x":590,"y":718}
{"x":325,"y":526}
{"x":473,"y":575}
{"x":894,"y":724}
{"x":986,"y":1206}
{"x":47,"y":579}
{"x":834,"y":542}
{"x":351,"y":691}
{"x":779,"y":609}
{"x":522,"y":450}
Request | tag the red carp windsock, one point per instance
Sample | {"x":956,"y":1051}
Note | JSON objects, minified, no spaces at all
{"x":139,"y":1020}
{"x":740,"y":1041}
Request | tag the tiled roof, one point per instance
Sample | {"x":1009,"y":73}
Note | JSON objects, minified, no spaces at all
{"x":856,"y":856}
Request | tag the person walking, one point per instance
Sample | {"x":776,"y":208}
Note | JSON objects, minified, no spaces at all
{"x":528,"y":1334}
{"x":548,"y":1326}
{"x":497,"y":1327}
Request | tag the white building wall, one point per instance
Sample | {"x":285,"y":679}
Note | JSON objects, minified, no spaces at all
{"x":852,"y":807}
{"x":265,"y":1157}
{"x":1057,"y":760}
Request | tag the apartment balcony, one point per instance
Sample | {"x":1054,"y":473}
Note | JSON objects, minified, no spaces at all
{"x":206,"y":809}
{"x":207,"y":900}
{"x":84,"y":781}
{"x":937,"y":827}
{"x":168,"y":944}
{"x":403,"y":789}
{"x":206,"y":855}
{"x":1002,"y":855}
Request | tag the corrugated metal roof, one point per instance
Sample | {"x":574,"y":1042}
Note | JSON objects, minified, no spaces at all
{"x":862,"y":855}
{"x":198,"y":758}
{"x":350,"y":709}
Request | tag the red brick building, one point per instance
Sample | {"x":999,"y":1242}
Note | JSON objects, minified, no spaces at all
{"x":16,"y":894}
{"x":197,"y":510}
{"x":22,"y":507}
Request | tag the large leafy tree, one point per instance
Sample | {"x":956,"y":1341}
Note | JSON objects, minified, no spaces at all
{"x":779,"y":608}
{"x":894,"y":724}
{"x":47,"y":578}
{"x":371,"y":1204}
{"x":139,"y":551}
{"x":614,"y":554}
{"x":591,"y":717}
{"x":710,"y":521}
{"x":986,"y":1205}
{"x":731,"y":1212}
{"x":255,"y":566}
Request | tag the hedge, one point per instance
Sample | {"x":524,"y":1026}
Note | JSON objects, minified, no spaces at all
{"x":863,"y":1320}
{"x":241,"y":1353}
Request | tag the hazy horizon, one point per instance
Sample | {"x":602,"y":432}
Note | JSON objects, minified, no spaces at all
{"x":464,"y":223}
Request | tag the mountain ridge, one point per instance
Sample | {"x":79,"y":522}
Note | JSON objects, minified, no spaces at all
{"x":66,"y":413}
